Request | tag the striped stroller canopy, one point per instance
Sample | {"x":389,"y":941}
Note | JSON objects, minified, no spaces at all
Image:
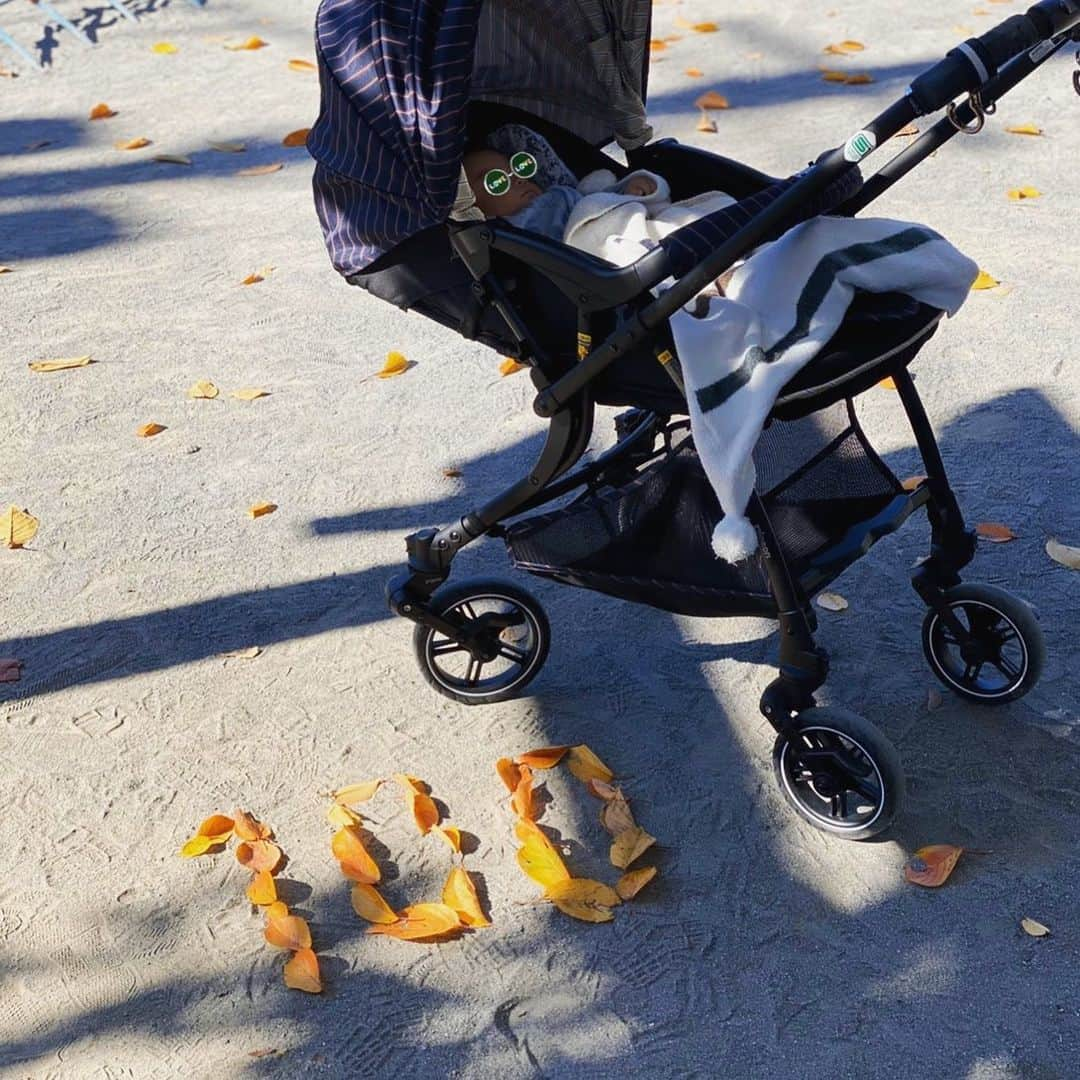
{"x":397,"y":77}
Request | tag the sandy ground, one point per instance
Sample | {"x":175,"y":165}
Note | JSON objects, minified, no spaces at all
{"x":765,"y":948}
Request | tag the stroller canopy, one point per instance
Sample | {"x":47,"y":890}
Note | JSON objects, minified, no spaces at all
{"x":397,"y":77}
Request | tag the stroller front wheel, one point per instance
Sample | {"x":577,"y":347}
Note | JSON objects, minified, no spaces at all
{"x":839,"y":772}
{"x":505,"y":637}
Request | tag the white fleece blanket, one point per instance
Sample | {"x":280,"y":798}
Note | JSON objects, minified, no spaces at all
{"x":782,"y":305}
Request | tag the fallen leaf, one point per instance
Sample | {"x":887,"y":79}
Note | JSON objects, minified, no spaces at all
{"x":586,"y":766}
{"x":241,"y":654}
{"x":247,"y":827}
{"x":712,"y":100}
{"x":888,"y":383}
{"x":521,"y":803}
{"x":1060,"y":553}
{"x":451,"y":834}
{"x":203,"y":389}
{"x":421,"y":921}
{"x":341,"y":816}
{"x":912,"y":482}
{"x":1034,"y":929}
{"x":248,"y":394}
{"x":585,"y":910}
{"x":200,"y":845}
{"x":452,"y":474}
{"x":132,"y":144}
{"x":1025,"y":129}
{"x":694,"y":73}
{"x":250,"y":45}
{"x":510,"y":366}
{"x":368,"y":903}
{"x":302,"y":972}
{"x":263,"y":889}
{"x":629,"y":845}
{"x":602,"y":790}
{"x":633,"y":881}
{"x":148,"y":431}
{"x":288,"y":932}
{"x":932,"y":865}
{"x":265,"y":1052}
{"x":60,"y":365}
{"x":615,"y":815}
{"x":546,"y":758}
{"x":706,"y":124}
{"x":17,"y":527}
{"x":408,"y":781}
{"x":907,"y":132}
{"x":509,"y":773}
{"x":101,"y":112}
{"x":538,"y":858}
{"x":395,"y":365}
{"x":1018,"y":194}
{"x":261,"y":509}
{"x":831,"y":601}
{"x":356,"y":863}
{"x":586,"y":891}
{"x":296,"y":138}
{"x":425,"y":812}
{"x":6,"y":270}
{"x":10,"y":670}
{"x":173,"y":159}
{"x":459,"y":893}
{"x":165,"y":48}
{"x":261,"y":170}
{"x":253,"y":279}
{"x":862,"y":79}
{"x":258,"y":855}
{"x":995,"y":532}
{"x":984,"y":281}
{"x":843,"y":48}
{"x":228,"y":147}
{"x":216,"y":825}
{"x":705,"y":27}
{"x":657,"y":45}
{"x":302,"y":65}
{"x":277,"y":910}
{"x":357,"y":793}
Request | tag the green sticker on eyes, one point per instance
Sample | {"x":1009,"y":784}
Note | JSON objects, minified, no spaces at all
{"x":523,"y":164}
{"x":496,"y":182}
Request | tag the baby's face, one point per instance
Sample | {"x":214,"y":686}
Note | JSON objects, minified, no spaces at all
{"x":520,"y":194}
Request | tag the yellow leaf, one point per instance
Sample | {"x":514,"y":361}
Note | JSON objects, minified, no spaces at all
{"x":296,"y":138}
{"x":409,"y":782}
{"x":165,"y":48}
{"x":633,"y":881}
{"x":341,"y":816}
{"x":510,"y":366}
{"x":262,"y":890}
{"x":173,"y":159}
{"x":250,"y":45}
{"x":888,"y":383}
{"x":995,"y":532}
{"x":395,"y":365}
{"x":101,"y":112}
{"x":242,"y":654}
{"x":985,"y":281}
{"x":277,"y":910}
{"x":831,"y":601}
{"x":227,"y":147}
{"x":17,"y":527}
{"x":1063,"y":554}
{"x":451,"y":834}
{"x":861,"y":79}
{"x":712,"y":100}
{"x":931,"y":865}
{"x":459,"y":893}
{"x":629,"y":845}
{"x":585,"y":911}
{"x":148,"y":431}
{"x":60,"y":365}
{"x":1034,"y":929}
{"x":259,"y":855}
{"x":248,"y":394}
{"x":261,"y":170}
{"x":302,"y":65}
{"x":586,"y":766}
{"x":585,"y":891}
{"x":200,"y":845}
{"x":288,"y":932}
{"x":1018,"y":194}
{"x":420,"y":922}
{"x":203,"y":389}
{"x":368,"y":903}
{"x":829,"y":75}
{"x":132,"y":144}
{"x":261,"y":509}
{"x":1025,"y":129}
{"x":357,"y":793}
{"x":546,"y":758}
{"x":302,"y":972}
{"x":842,"y":48}
{"x":538,"y":858}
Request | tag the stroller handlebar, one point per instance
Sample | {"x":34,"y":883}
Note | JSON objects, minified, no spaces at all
{"x":978,"y":59}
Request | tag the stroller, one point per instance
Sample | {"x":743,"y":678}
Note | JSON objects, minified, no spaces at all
{"x":404,"y":87}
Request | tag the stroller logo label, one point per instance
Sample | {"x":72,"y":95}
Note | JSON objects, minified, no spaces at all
{"x":859,"y":145}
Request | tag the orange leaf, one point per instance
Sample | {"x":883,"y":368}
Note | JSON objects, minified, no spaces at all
{"x":132,"y":144}
{"x":459,"y":893}
{"x":250,"y":45}
{"x":356,"y":862}
{"x":101,"y":112}
{"x":249,"y":828}
{"x":368,"y":903}
{"x":252,"y":279}
{"x":521,"y":803}
{"x":538,"y":858}
{"x":633,"y":881}
{"x":259,"y":855}
{"x":707,"y":125}
{"x":629,"y":845}
{"x":148,"y":431}
{"x":586,"y":766}
{"x":712,"y":100}
{"x":842,"y":48}
{"x":994,"y":532}
{"x":425,"y":812}
{"x":395,"y":364}
{"x":262,"y":890}
{"x":888,"y":383}
{"x":694,"y":73}
{"x":862,"y":79}
{"x":216,"y":825}
{"x":931,"y":866}
{"x":510,"y":366}
{"x":547,"y":758}
{"x":277,"y":910}
{"x":451,"y":834}
{"x":657,"y":45}
{"x":261,"y":509}
{"x":296,"y":138}
{"x":912,"y":482}
{"x":261,"y":170}
{"x":420,"y":922}
{"x":411,"y":783}
{"x":302,"y":65}
{"x":302,"y":972}
{"x":509,"y":773}
{"x":705,"y":27}
{"x":288,"y":932}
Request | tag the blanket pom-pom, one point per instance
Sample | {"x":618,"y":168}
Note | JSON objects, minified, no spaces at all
{"x":734,"y":539}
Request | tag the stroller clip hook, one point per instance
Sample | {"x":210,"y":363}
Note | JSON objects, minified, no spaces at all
{"x":980,"y":110}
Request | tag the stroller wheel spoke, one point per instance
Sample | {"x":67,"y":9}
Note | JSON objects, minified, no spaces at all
{"x":1011,"y":673}
{"x":444,"y":648}
{"x":472,"y":674}
{"x":511,"y":652}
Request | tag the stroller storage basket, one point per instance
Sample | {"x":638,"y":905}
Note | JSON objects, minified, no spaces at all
{"x":649,"y":539}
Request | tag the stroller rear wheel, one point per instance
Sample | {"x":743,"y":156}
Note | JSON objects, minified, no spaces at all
{"x":839,"y":772}
{"x":504,"y":642}
{"x":999,"y":658}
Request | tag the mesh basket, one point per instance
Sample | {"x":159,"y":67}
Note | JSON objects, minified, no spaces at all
{"x":648,"y":540}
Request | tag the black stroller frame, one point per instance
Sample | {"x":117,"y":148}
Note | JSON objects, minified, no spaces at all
{"x":818,"y":772}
